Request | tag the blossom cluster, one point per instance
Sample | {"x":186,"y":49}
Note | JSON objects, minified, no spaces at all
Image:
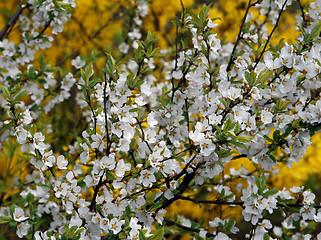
{"x":163,"y":124}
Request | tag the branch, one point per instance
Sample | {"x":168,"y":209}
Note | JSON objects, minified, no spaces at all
{"x":268,"y":40}
{"x":170,"y":222}
{"x":143,"y":135}
{"x":12,"y":21}
{"x":106,"y":123}
{"x":218,"y":202}
{"x":302,"y":13}
{"x":186,"y":181}
{"x":238,"y":37}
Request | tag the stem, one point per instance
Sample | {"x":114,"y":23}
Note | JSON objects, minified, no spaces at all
{"x":143,"y":135}
{"x":106,"y":123}
{"x":170,"y":222}
{"x":12,"y":21}
{"x":238,"y":37}
{"x":275,"y":26}
{"x":302,"y":13}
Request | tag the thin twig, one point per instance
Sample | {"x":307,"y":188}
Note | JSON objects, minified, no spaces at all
{"x":302,"y":13}
{"x":238,"y":37}
{"x":268,"y":40}
{"x":106,"y":123}
{"x":186,"y":228}
{"x":12,"y":21}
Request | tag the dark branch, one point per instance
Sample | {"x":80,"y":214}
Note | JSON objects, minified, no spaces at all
{"x":12,"y":21}
{"x":170,"y":222}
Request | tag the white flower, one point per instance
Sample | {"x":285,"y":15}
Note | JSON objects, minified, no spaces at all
{"x":62,"y":162}
{"x":277,"y":231}
{"x":221,"y":236}
{"x":19,"y":215}
{"x":99,"y":142}
{"x":266,"y":117}
{"x":135,"y":34}
{"x":134,"y":225}
{"x":177,"y":74}
{"x":78,"y":63}
{"x":115,"y":225}
{"x":123,"y":47}
{"x":308,"y":197}
{"x":108,"y":162}
{"x":147,"y":178}
{"x":296,"y":189}
{"x":207,"y":147}
{"x":22,"y":229}
{"x":84,"y":156}
{"x":196,"y":136}
{"x":38,"y":141}
{"x":203,"y":233}
{"x":27,"y":119}
{"x":168,"y":194}
{"x":121,"y":168}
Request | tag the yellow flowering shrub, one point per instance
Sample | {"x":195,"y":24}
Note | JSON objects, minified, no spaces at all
{"x":98,"y":25}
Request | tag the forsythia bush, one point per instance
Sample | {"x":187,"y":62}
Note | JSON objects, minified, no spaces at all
{"x":159,"y":127}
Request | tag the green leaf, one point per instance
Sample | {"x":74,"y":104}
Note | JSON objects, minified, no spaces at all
{"x":258,"y":182}
{"x":269,"y":193}
{"x":67,"y":230}
{"x":229,"y":224}
{"x":157,"y":235}
{"x":5,"y":220}
{"x":97,"y":207}
{"x":276,"y":135}
{"x":93,"y":82}
{"x":238,"y":144}
{"x":110,"y":175}
{"x":3,"y":187}
{"x":264,"y":75}
{"x":197,"y":236}
{"x":250,"y":78}
{"x":315,"y":32}
{"x":266,"y":236}
{"x":156,"y":206}
{"x":244,"y":138}
{"x":32,"y":73}
{"x":267,"y":138}
{"x":272,"y":157}
{"x":263,"y":86}
{"x":83,"y":75}
{"x":5,"y":90}
{"x":42,"y":62}
{"x":21,"y":94}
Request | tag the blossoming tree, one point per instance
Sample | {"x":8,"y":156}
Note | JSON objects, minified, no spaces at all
{"x":161,"y":125}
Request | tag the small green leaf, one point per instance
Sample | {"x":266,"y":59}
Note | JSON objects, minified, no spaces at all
{"x":263,"y":86}
{"x":157,"y":235}
{"x":21,"y":94}
{"x":238,"y":144}
{"x":32,"y":73}
{"x":276,"y":135}
{"x":269,"y":193}
{"x":97,"y":207}
{"x":5,"y":220}
{"x":5,"y":90}
{"x":244,"y":138}
{"x":42,"y":62}
{"x":267,"y":138}
{"x":315,"y":32}
{"x":110,"y":175}
{"x":229,"y":224}
{"x":197,"y":236}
